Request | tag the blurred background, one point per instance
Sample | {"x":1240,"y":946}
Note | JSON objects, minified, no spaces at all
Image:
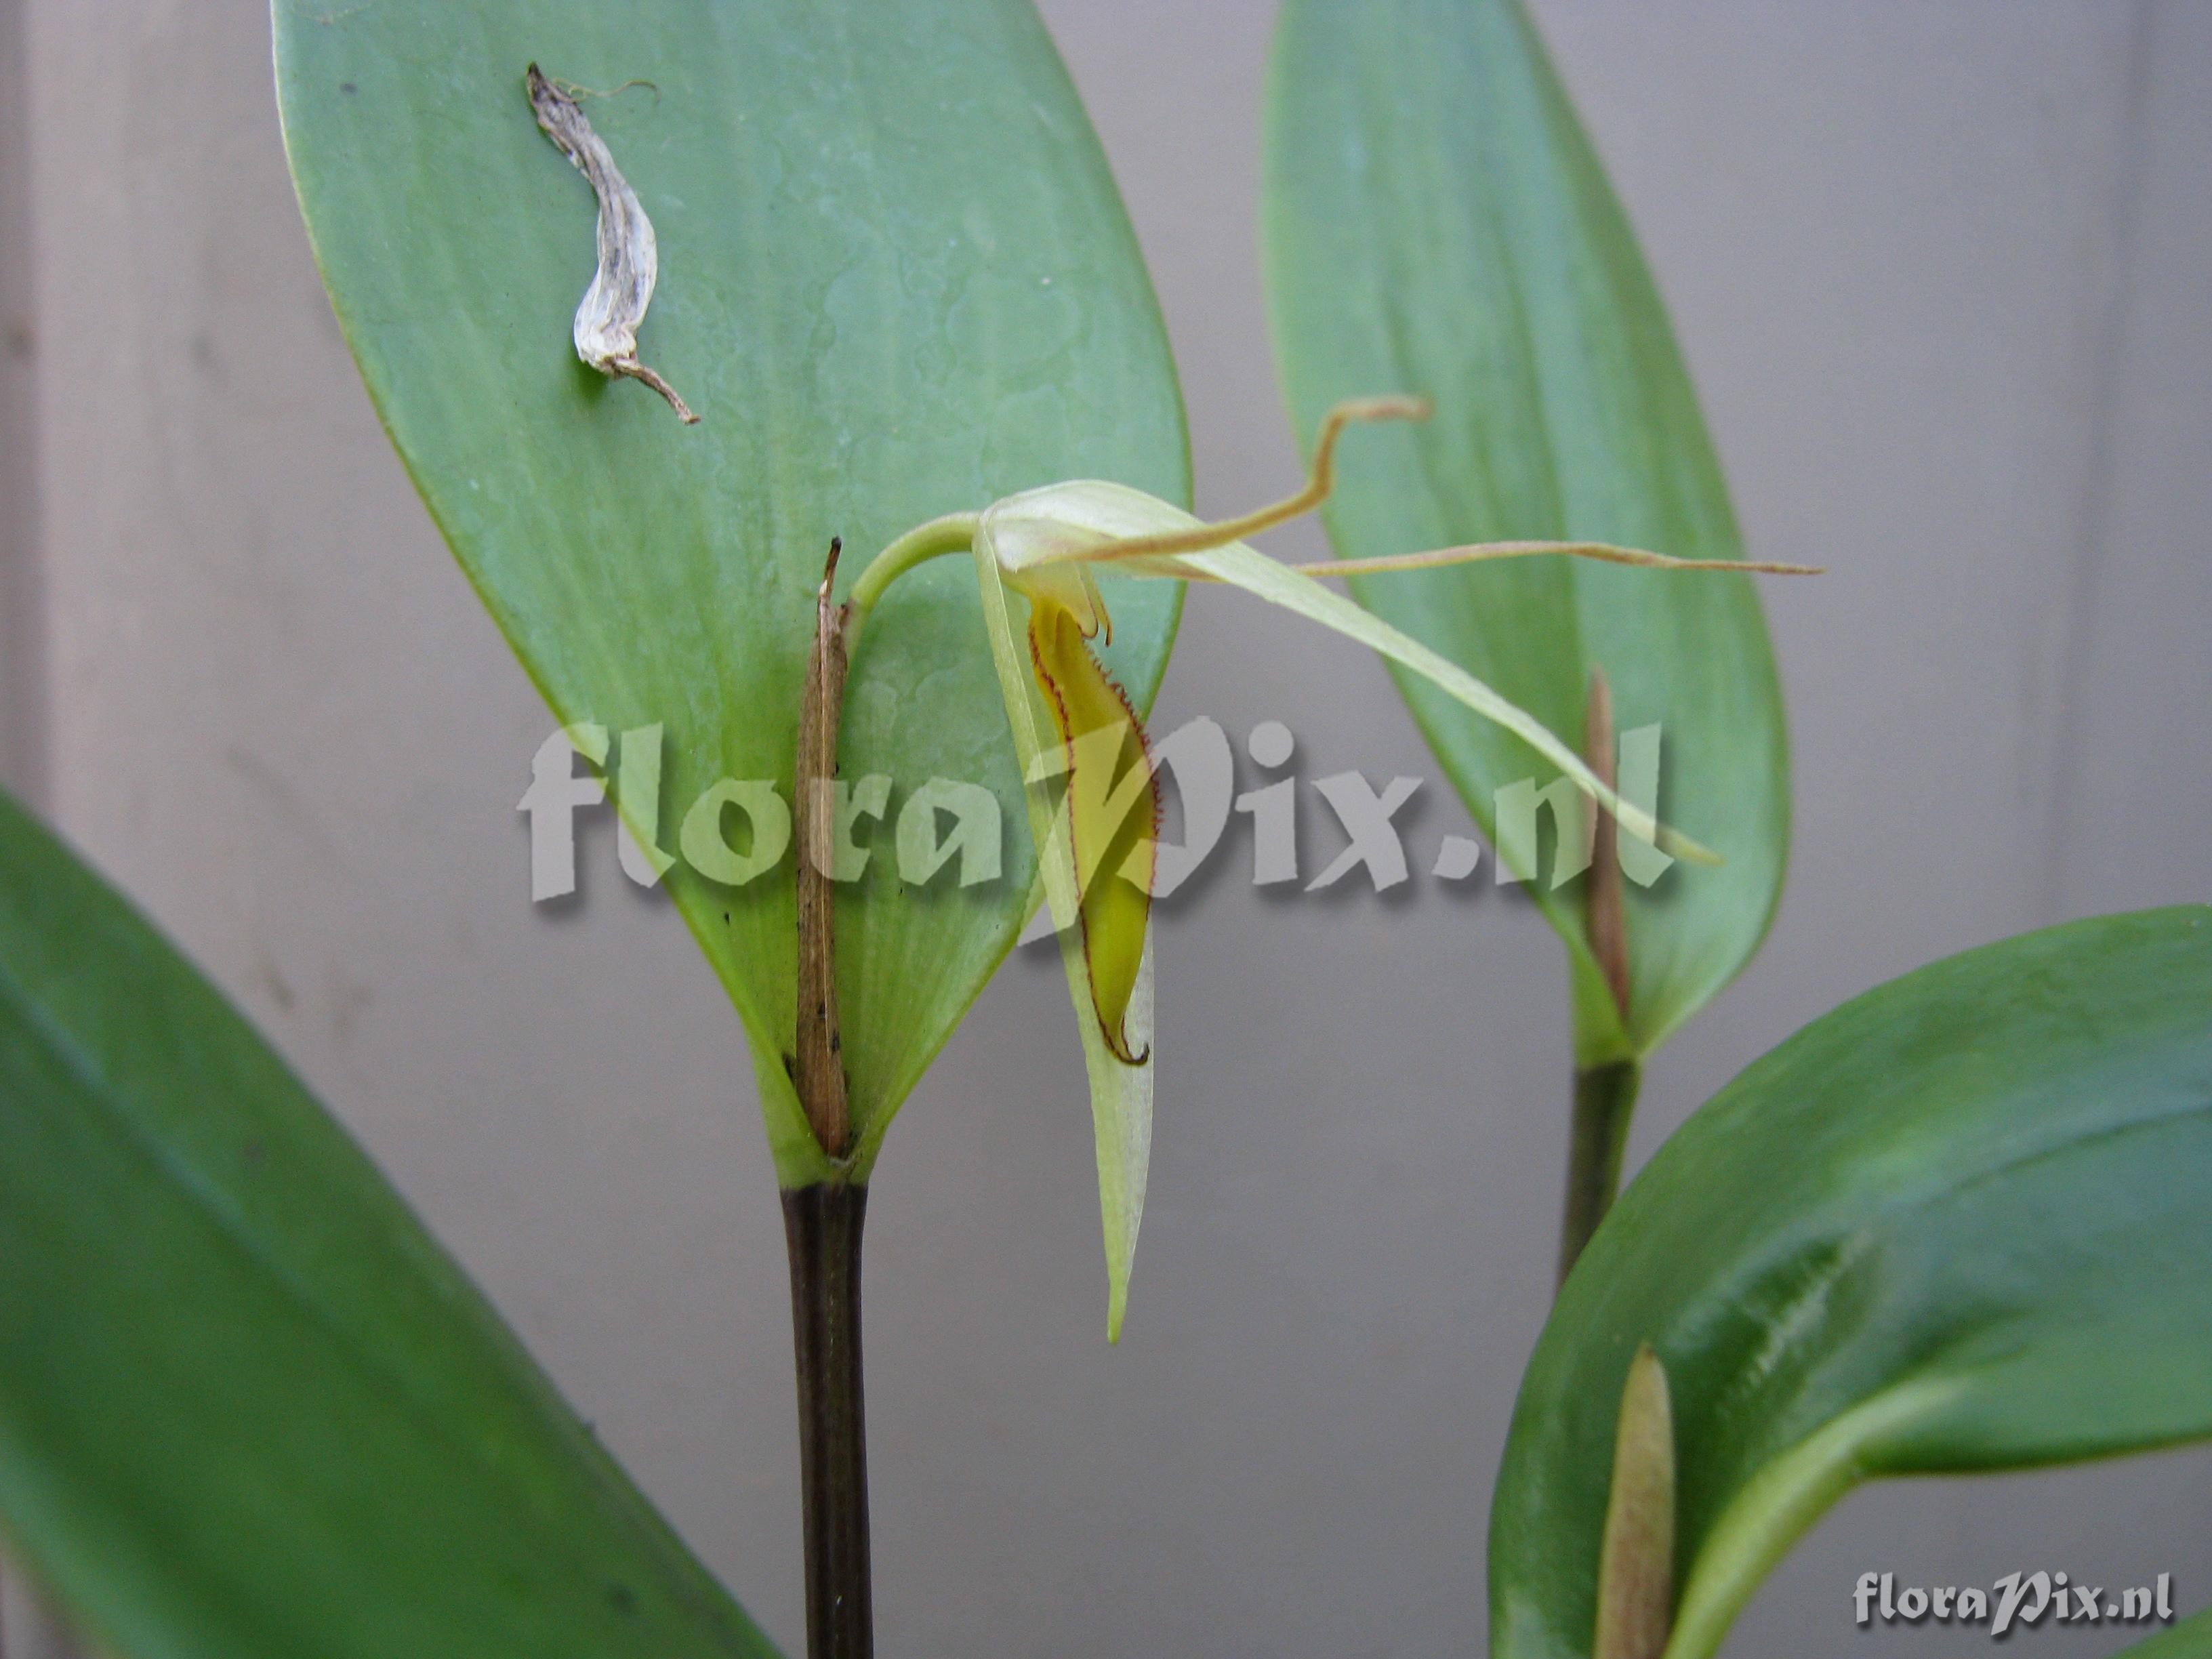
{"x":1944,"y":274}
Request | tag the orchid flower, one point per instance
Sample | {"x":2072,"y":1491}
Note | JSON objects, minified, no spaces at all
{"x":1094,"y":835}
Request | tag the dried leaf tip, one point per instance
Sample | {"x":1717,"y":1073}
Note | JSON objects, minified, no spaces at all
{"x":613,"y":308}
{"x":1635,"y":1556}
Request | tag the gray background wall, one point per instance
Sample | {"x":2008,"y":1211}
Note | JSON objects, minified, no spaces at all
{"x":1942,"y":272}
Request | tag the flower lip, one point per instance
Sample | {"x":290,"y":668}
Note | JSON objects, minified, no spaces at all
{"x":1111,"y":806}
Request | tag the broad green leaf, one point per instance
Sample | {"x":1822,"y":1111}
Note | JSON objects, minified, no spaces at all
{"x":1958,"y":1223}
{"x":894,"y":282}
{"x":1438,"y":224}
{"x":248,"y":1408}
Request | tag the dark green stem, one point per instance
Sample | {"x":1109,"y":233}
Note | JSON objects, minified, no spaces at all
{"x":1605,"y":1095}
{"x":822,"y":1229}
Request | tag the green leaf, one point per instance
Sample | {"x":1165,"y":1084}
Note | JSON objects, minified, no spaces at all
{"x":1438,"y":224}
{"x":1958,"y":1223}
{"x":248,"y":1408}
{"x":894,"y":282}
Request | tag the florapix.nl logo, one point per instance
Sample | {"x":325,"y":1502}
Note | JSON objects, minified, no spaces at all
{"x":737,"y":831}
{"x":2016,"y":1601}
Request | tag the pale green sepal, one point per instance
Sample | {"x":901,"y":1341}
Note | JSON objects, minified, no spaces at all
{"x":1065,"y":521}
{"x":1121,"y":1095}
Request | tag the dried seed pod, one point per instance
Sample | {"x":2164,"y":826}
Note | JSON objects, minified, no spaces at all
{"x":629,"y":258}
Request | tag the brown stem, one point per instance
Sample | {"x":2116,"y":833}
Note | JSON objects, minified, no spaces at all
{"x":821,"y":1223}
{"x":1605,"y":1095}
{"x":822,"y":1229}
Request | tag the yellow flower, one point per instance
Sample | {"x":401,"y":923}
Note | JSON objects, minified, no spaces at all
{"x":1095,"y":836}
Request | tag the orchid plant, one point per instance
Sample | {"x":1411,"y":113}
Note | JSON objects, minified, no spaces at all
{"x":249,"y":1409}
{"x":1047,"y":547}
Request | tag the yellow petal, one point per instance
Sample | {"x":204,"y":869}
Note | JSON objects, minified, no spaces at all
{"x":1113,"y":812}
